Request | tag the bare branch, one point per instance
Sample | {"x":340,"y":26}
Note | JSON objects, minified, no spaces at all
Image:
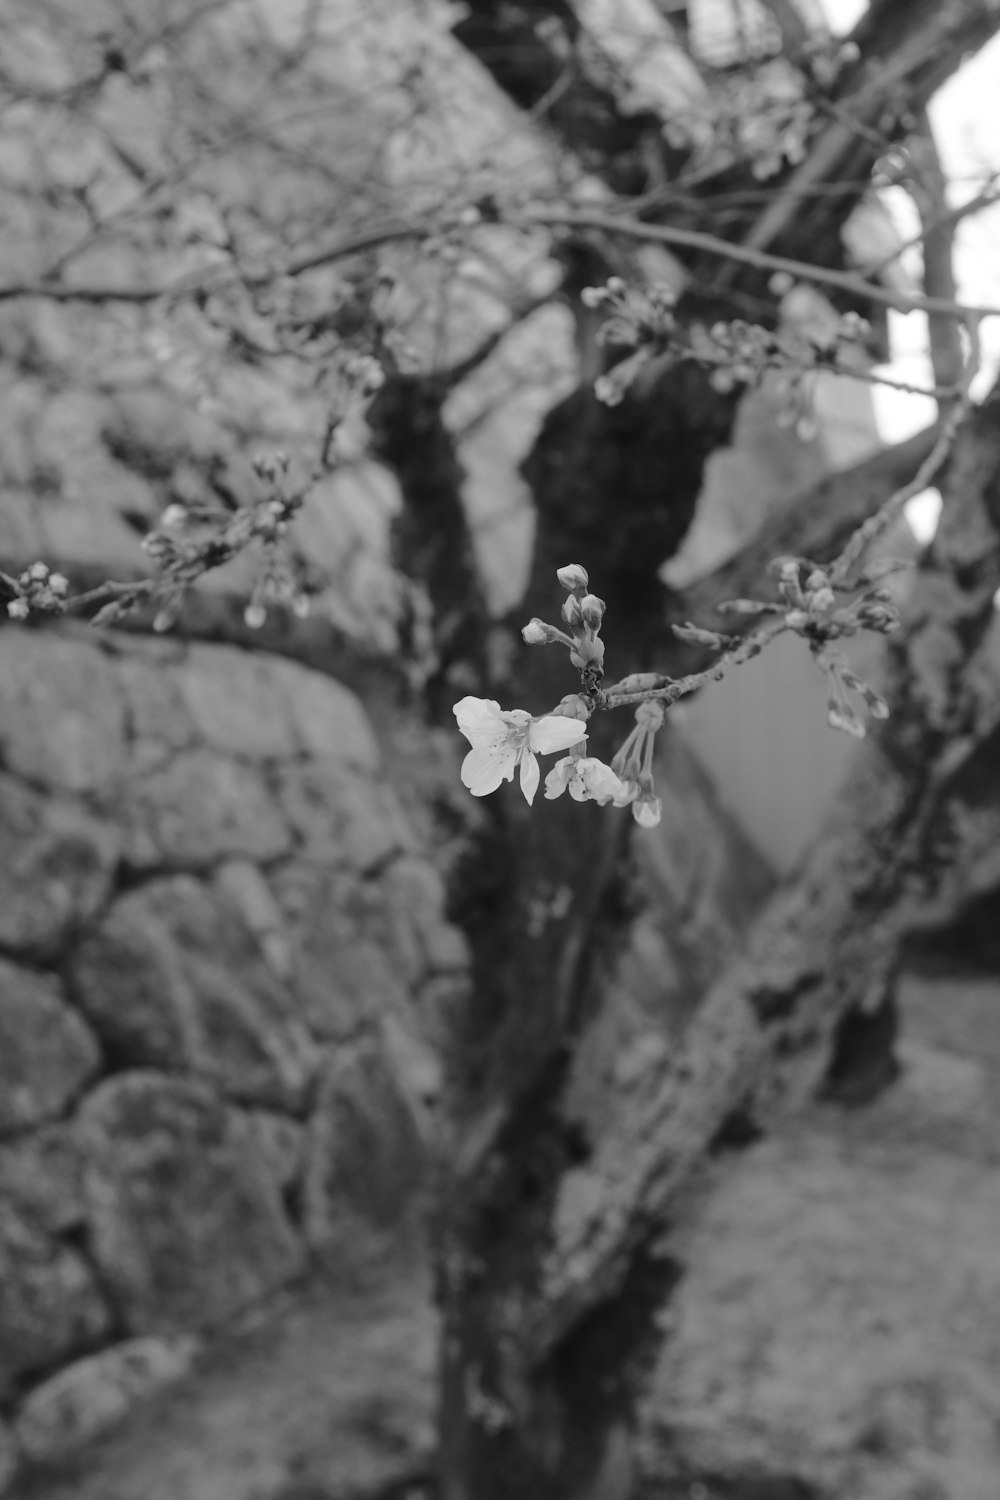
{"x":802,"y":270}
{"x":759,"y":1035}
{"x":815,"y":524}
{"x":929,"y":190}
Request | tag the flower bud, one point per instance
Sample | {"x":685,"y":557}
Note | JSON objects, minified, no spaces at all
{"x":587,"y":653}
{"x":696,"y":636}
{"x":38,"y":572}
{"x":742,"y":607}
{"x":650,"y":716}
{"x":571,"y":611}
{"x":647,"y":810}
{"x":880,"y":617}
{"x":640,"y":682}
{"x":823,"y":598}
{"x":536,"y":633}
{"x":573,"y":576}
{"x":592,"y":610}
{"x":573,"y":706}
{"x":58,"y":584}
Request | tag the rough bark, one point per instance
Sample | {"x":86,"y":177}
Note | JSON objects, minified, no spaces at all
{"x":827,"y":940}
{"x":551,"y":1272}
{"x":907,"y":50}
{"x":537,"y":981}
{"x":815,"y":524}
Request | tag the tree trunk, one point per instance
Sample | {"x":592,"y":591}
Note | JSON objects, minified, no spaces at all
{"x":550,"y":1271}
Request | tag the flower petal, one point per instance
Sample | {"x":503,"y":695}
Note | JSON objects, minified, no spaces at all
{"x":600,"y":781}
{"x":530,"y":775}
{"x":480,"y":720}
{"x":554,"y":732}
{"x":559,"y":777}
{"x":483,"y":770}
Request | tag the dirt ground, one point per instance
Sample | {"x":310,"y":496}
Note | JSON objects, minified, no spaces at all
{"x":328,"y":1394}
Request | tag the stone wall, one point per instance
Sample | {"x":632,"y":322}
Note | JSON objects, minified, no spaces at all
{"x":222,"y":956}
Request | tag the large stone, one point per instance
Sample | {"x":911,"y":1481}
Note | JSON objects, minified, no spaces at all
{"x":243,"y":886}
{"x":173,"y":978}
{"x":199,"y":808}
{"x":838,"y":1318}
{"x":277,"y":1142}
{"x":329,"y":721}
{"x":342,"y":815}
{"x":62,"y":716}
{"x":92,"y":1395}
{"x":9,"y":1457}
{"x":152,"y":430}
{"x":41,"y":1174}
{"x":345,"y":967}
{"x":425,"y":940}
{"x":187,"y":1227}
{"x":231,"y":697}
{"x":50,"y":1305}
{"x":47,"y":1052}
{"x":366,"y":1159}
{"x":158,"y":717}
{"x":56,"y":870}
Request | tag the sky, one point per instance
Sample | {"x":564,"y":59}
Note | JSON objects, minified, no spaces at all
{"x":964,"y":120}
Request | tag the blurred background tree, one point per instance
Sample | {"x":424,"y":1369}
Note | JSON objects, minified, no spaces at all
{"x":357,"y":236}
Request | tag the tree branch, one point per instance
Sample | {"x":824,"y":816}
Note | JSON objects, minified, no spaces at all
{"x":824,"y":942}
{"x":815,"y":524}
{"x":929,"y":190}
{"x":217,"y":616}
{"x":802,"y":270}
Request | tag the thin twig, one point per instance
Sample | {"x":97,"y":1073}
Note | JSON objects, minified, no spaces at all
{"x":694,"y":239}
{"x":856,"y":546}
{"x":607,"y":222}
{"x":679,"y":687}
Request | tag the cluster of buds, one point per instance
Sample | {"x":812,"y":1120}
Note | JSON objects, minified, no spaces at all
{"x":821,"y":606}
{"x":825,"y":59}
{"x":192,"y":540}
{"x":362,"y":375}
{"x":36,"y":589}
{"x":760,"y":114}
{"x":638,"y":318}
{"x":769,"y":117}
{"x":583,"y":613}
{"x":633,"y":765}
{"x":741,"y":352}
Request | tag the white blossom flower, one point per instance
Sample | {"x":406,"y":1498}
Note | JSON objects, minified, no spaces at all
{"x":502,"y":739}
{"x":586,"y":778}
{"x":629,"y":792}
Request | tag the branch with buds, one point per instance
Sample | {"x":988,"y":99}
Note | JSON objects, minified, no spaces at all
{"x":821,"y":605}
